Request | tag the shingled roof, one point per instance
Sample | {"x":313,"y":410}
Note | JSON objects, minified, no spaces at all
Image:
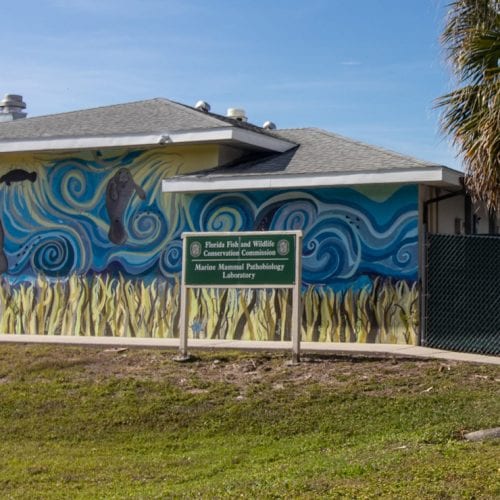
{"x":319,"y":151}
{"x":153,"y":116}
{"x":286,"y":153}
{"x":320,"y":159}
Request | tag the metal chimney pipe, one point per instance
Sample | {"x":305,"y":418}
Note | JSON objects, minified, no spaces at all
{"x":12,"y":107}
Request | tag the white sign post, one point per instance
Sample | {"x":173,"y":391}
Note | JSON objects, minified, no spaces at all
{"x":260,"y":259}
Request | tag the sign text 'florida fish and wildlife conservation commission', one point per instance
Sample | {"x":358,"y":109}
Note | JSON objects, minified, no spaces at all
{"x":240,"y":260}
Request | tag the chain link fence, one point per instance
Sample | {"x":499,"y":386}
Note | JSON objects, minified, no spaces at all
{"x":462,"y":297}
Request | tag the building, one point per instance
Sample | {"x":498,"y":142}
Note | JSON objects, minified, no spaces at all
{"x":94,"y":203}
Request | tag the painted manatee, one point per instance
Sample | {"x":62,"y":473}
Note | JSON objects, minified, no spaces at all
{"x":4,"y":265}
{"x":18,"y":175}
{"x":118,"y":193}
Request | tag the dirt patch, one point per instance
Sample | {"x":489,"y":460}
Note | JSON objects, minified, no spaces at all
{"x":241,"y":370}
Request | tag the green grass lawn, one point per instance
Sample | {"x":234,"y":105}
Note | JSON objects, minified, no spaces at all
{"x":107,"y":423}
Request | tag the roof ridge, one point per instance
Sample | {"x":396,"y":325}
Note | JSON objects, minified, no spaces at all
{"x":278,"y":130}
{"x":227,"y":120}
{"x":88,"y":109}
{"x":161,"y":100}
{"x":212,"y":116}
{"x":161,"y":103}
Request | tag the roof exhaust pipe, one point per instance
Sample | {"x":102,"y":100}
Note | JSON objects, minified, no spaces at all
{"x":202,"y":106}
{"x":269,"y":125}
{"x":12,"y":108}
{"x":237,"y":114}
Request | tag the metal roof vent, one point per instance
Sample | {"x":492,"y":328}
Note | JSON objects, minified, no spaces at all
{"x":202,"y":106}
{"x":12,"y":108}
{"x":237,"y":114}
{"x":269,"y":125}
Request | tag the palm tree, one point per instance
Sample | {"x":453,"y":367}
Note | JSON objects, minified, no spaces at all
{"x":471,"y":113}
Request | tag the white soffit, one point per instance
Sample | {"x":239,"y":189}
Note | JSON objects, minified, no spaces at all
{"x":438,"y":176}
{"x":225,"y":134}
{"x":57,"y":144}
{"x":232,"y":134}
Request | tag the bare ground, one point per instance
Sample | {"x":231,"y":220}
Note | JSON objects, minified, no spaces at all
{"x":378,"y":376}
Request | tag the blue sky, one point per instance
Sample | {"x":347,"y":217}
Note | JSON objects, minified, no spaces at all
{"x":368,"y":69}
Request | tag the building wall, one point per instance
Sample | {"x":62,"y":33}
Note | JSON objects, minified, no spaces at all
{"x":90,"y":246}
{"x":448,"y":217}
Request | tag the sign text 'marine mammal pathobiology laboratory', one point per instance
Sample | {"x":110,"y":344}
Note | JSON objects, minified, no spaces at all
{"x":240,"y":260}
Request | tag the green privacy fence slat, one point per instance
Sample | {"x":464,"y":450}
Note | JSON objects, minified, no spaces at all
{"x":463,"y":293}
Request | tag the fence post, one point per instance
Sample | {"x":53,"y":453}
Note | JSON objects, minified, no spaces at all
{"x":297,"y":302}
{"x":183,"y":327}
{"x":423,"y":291}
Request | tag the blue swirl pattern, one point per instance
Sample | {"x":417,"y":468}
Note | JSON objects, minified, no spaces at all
{"x":171,"y":259}
{"x":59,"y":224}
{"x":54,"y":256}
{"x":348,"y":237}
{"x":227,"y":213}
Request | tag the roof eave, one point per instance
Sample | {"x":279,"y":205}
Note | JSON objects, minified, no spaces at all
{"x":237,"y":137}
{"x":434,"y":176}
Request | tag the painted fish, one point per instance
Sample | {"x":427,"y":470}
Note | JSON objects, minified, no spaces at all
{"x":118,"y":193}
{"x":18,"y":175}
{"x":4,"y":265}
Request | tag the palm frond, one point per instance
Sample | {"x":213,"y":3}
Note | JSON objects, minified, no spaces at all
{"x":471,"y":114}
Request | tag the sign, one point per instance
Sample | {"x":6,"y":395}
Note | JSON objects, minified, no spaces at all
{"x":265,"y":259}
{"x":240,"y":259}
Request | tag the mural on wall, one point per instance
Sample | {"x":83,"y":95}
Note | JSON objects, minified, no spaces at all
{"x":4,"y":265}
{"x":17,"y":175}
{"x":91,"y":245}
{"x":348,"y":237}
{"x":118,"y":193}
